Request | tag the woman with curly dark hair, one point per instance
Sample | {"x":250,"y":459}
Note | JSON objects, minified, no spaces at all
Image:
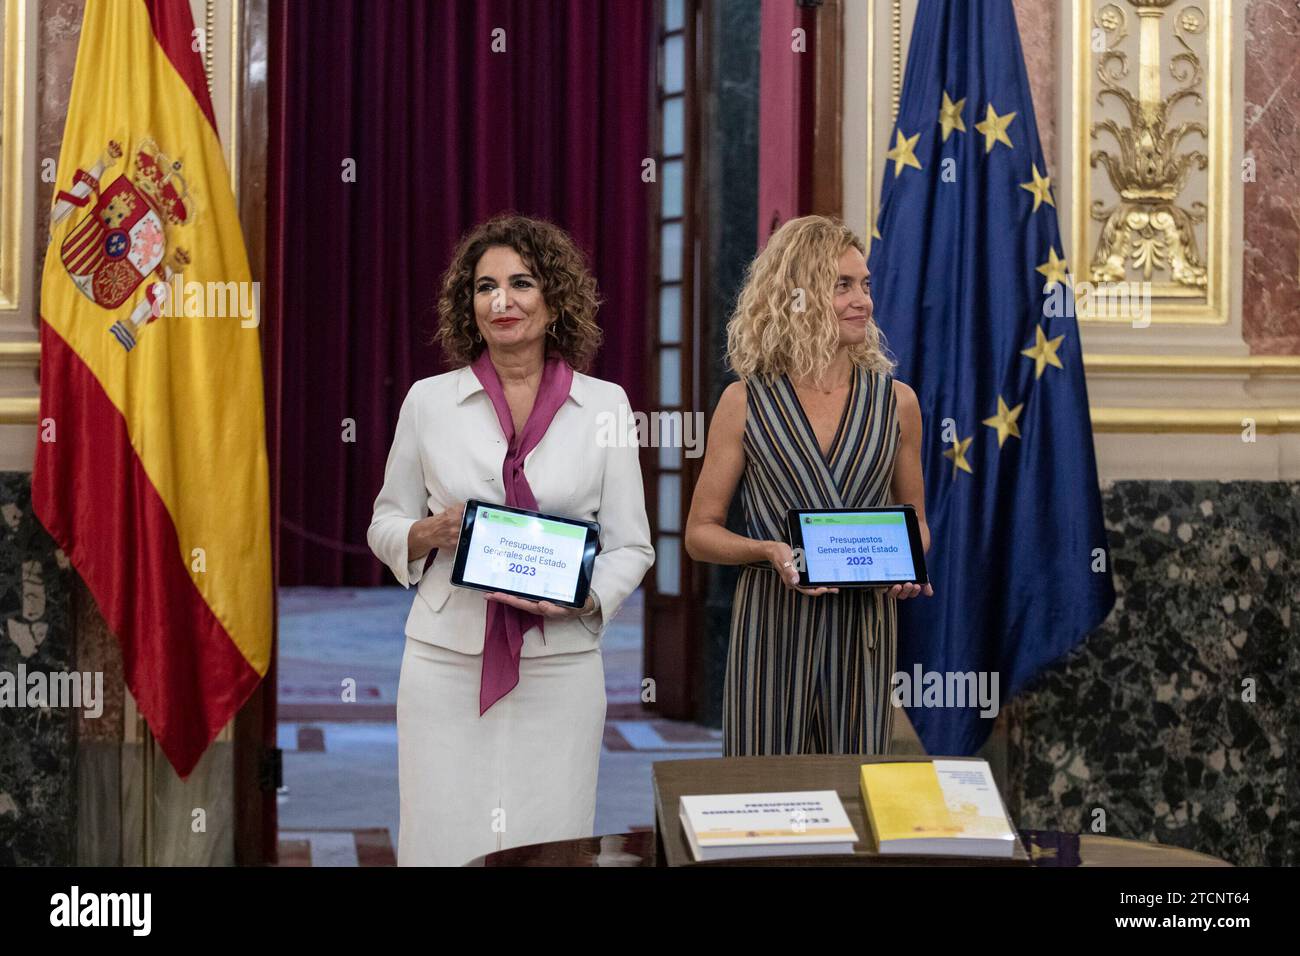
{"x":501,"y":701}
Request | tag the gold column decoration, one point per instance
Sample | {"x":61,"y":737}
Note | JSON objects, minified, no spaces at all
{"x":896,"y":63}
{"x":1151,"y":202}
{"x":11,"y":151}
{"x":209,"y":23}
{"x":876,"y":11}
{"x":1147,"y":226}
{"x":236,"y":89}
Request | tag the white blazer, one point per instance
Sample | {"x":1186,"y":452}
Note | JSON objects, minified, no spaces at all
{"x":449,"y":448}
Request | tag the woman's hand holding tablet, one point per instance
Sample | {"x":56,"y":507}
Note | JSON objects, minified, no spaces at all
{"x":536,"y":562}
{"x":435,"y":532}
{"x":545,"y":608}
{"x":782,"y":558}
{"x":860,"y":547}
{"x":905,"y":591}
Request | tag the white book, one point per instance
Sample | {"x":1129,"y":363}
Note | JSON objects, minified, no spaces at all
{"x":728,"y":826}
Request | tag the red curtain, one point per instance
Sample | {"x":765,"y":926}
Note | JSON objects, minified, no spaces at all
{"x":786,"y":110}
{"x":443,"y":129}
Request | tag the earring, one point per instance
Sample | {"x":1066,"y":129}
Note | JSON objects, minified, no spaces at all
{"x":550,"y":330}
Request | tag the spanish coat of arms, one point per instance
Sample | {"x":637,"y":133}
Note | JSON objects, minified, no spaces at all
{"x":122,"y":241}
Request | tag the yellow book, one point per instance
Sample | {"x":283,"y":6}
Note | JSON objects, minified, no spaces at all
{"x":941,"y":807}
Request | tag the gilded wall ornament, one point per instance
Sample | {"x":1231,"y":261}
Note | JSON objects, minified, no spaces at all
{"x":1148,"y":230}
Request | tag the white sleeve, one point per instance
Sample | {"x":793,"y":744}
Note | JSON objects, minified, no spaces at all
{"x":625,"y":550}
{"x":403,"y":500}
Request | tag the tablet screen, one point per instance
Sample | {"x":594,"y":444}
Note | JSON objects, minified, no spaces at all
{"x":537,"y":556}
{"x":869,"y":546}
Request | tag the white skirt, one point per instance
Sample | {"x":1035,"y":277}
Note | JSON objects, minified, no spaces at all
{"x":524,"y":772}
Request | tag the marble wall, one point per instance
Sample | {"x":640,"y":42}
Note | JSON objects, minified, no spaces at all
{"x":1038,"y":37}
{"x":37,"y":743}
{"x":1271,"y":297}
{"x":1179,"y":717}
{"x":58,"y":33}
{"x":48,"y":756}
{"x":71,"y":783}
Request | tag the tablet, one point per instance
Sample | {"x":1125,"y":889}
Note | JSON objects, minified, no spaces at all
{"x":859,"y":547}
{"x":528,"y":554}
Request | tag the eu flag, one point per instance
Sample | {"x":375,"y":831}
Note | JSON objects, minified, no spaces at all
{"x":969,"y":277}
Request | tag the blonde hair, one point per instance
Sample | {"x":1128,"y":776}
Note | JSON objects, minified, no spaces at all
{"x":767,"y":336}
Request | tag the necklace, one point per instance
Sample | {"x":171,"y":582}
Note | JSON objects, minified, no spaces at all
{"x":833,"y":389}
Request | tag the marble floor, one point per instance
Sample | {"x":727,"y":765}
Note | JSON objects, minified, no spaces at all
{"x":339,"y":803}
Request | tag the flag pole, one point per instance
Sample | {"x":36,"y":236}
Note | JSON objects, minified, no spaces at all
{"x":146,"y":785}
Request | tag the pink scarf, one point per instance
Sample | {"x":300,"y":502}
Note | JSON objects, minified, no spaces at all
{"x":503,"y":638}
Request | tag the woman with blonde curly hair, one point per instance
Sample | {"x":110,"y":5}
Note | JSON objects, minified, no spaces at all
{"x":501,"y":701}
{"x":815,"y":421}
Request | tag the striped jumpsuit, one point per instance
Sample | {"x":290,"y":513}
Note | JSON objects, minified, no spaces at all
{"x":809,"y":675}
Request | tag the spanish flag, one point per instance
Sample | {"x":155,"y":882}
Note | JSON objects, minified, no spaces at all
{"x":151,"y":456}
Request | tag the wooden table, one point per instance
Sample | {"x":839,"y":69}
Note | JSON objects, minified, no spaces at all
{"x":673,"y":779}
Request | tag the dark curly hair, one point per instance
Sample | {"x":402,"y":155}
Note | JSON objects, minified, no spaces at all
{"x":566,"y":283}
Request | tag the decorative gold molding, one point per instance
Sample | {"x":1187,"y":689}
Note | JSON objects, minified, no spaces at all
{"x":1268,"y":421}
{"x":1173,"y":302}
{"x":1191,"y":364}
{"x":1149,"y":228}
{"x":20,"y":354}
{"x":896,"y":66}
{"x":209,"y":25}
{"x":236,"y":88}
{"x":895,"y":95}
{"x":871,"y":125}
{"x":20,"y":411}
{"x":11,"y":143}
